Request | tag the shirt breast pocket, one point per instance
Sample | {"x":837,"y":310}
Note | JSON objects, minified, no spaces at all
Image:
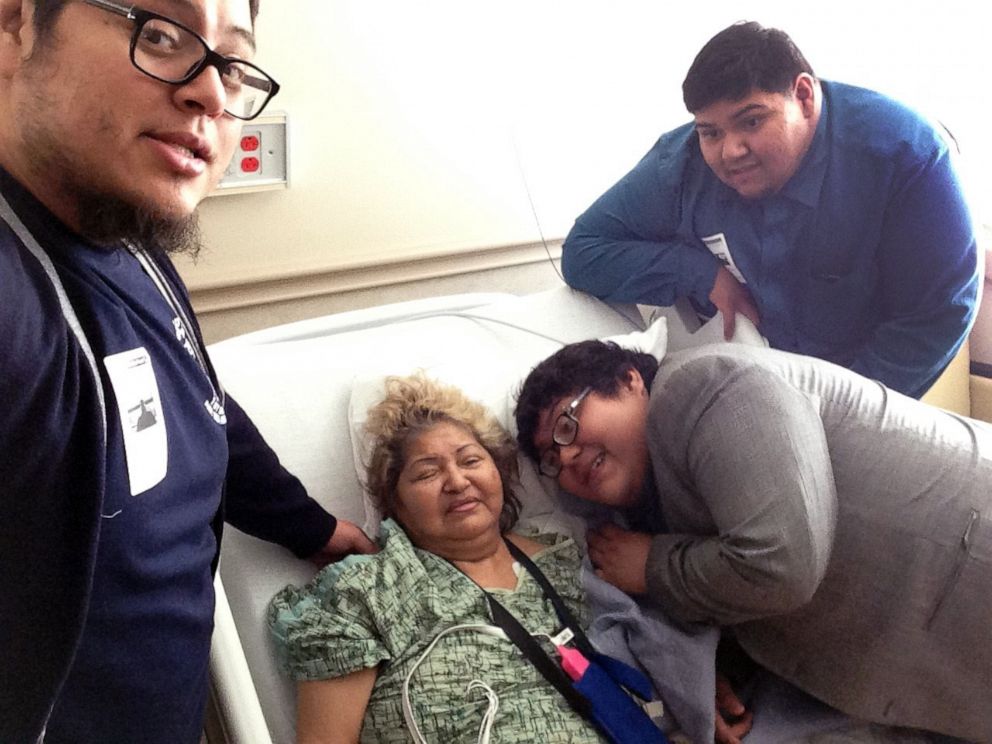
{"x":835,"y":307}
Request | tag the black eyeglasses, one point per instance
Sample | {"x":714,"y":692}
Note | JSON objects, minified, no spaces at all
{"x":167,"y":51}
{"x":563,"y":433}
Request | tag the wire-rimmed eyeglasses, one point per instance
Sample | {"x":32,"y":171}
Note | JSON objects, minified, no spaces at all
{"x":168,"y":51}
{"x":563,"y":433}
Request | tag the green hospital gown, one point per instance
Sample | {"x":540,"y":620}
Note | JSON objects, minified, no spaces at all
{"x":384,"y":611}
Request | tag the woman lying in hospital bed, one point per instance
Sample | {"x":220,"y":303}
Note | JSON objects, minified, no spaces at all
{"x":401,"y":646}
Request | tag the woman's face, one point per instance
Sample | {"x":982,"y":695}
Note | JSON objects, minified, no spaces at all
{"x":449,"y":489}
{"x":608,"y":459}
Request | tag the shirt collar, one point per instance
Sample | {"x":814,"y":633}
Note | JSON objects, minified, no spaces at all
{"x":37,"y":218}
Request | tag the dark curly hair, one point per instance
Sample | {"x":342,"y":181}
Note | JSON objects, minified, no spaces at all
{"x":741,"y":58}
{"x":47,"y":12}
{"x":601,"y":365}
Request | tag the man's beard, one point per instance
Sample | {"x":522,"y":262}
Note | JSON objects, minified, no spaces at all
{"x":109,"y":220}
{"x":105,"y":218}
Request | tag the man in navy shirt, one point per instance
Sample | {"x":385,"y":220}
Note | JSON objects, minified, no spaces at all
{"x":120,"y":454}
{"x":829,"y":215}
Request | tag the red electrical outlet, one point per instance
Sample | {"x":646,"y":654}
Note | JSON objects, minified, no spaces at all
{"x":260,"y":159}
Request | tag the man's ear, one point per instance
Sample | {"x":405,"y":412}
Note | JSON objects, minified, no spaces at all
{"x":804,"y":90}
{"x":634,"y":382}
{"x":16,"y":34}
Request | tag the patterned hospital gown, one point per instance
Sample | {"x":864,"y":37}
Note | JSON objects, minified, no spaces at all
{"x":384,"y":611}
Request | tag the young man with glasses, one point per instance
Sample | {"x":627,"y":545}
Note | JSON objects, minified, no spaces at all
{"x":840,"y":530}
{"x":122,"y":456}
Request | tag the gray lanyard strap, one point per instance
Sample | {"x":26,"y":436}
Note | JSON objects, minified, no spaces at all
{"x":164,"y":287}
{"x":14,"y":222}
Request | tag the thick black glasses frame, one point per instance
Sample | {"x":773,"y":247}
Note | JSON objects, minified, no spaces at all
{"x":568,"y":413}
{"x":141,"y":16}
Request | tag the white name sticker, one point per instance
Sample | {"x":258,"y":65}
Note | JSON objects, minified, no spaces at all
{"x":719,"y":248}
{"x":142,"y":420}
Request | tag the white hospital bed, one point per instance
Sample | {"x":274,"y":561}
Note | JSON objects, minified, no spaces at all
{"x":297,"y":381}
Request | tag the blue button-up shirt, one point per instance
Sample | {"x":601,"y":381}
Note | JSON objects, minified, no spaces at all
{"x":865,"y":257}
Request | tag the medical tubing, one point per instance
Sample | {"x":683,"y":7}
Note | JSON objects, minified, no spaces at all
{"x":497,"y":321}
{"x":486,"y":728}
{"x":533,"y":206}
{"x":490,"y":714}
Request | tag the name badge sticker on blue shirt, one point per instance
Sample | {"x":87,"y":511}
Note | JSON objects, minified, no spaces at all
{"x":140,"y":408}
{"x":718,"y":247}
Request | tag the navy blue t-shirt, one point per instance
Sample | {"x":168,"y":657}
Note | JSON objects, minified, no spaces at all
{"x":108,"y":534}
{"x":140,"y":672}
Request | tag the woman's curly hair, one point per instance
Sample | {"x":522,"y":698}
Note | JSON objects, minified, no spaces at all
{"x":415,"y":404}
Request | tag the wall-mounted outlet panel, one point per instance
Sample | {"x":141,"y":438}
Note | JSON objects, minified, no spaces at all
{"x":261,"y":159}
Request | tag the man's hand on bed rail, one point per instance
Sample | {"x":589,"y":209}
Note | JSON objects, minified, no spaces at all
{"x":347,"y":539}
{"x":730,"y":297}
{"x":733,"y":720}
{"x":620,"y":557}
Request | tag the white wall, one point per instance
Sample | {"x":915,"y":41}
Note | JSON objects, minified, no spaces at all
{"x":414,"y":124}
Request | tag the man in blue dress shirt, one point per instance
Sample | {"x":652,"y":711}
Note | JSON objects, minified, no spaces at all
{"x":829,"y":215}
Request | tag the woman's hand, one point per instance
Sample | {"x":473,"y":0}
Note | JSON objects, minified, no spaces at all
{"x":733,"y":720}
{"x":620,"y":557}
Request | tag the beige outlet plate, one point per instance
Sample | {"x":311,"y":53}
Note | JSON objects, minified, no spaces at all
{"x":261,"y":160}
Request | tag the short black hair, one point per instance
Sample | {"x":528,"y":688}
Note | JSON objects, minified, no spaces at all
{"x":600,"y":365}
{"x":47,"y":12}
{"x":741,"y":58}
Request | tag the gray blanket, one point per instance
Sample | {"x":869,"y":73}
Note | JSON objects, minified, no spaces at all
{"x":682,"y":667}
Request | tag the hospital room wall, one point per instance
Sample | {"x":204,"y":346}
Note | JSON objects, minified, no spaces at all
{"x":432,"y":144}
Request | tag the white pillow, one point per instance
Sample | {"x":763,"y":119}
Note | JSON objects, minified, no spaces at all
{"x":493,"y":382}
{"x":710,"y":332}
{"x":653,"y":339}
